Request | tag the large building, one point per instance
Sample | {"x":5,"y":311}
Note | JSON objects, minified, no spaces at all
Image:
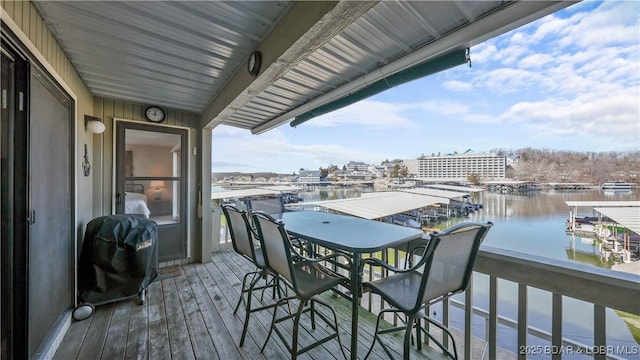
{"x":460,"y":167}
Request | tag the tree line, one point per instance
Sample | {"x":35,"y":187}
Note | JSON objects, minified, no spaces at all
{"x":543,"y":165}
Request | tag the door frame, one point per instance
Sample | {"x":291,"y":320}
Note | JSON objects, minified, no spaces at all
{"x":120,"y":125}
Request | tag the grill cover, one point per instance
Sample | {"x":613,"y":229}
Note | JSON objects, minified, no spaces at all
{"x":119,"y":258}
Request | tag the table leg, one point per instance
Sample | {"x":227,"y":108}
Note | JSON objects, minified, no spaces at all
{"x":356,"y":280}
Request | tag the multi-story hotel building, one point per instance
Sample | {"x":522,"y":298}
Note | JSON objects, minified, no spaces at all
{"x":460,"y":167}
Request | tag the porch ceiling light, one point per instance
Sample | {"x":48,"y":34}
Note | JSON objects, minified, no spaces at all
{"x":93,"y":124}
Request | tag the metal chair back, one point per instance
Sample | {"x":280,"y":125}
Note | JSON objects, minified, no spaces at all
{"x":240,"y":230}
{"x":449,"y":259}
{"x":272,"y":206}
{"x":275,"y":245}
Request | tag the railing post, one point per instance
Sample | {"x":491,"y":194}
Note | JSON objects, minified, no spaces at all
{"x":445,"y":320}
{"x":522,"y":321}
{"x":493,"y":318}
{"x":556,"y":326}
{"x":599,"y":330}
{"x":216,"y":213}
{"x":468,"y":316}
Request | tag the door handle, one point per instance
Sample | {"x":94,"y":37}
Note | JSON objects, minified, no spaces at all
{"x":118,"y":198}
{"x":31,"y":218}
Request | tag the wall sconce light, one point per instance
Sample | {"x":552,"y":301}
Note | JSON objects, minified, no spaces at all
{"x":93,"y":124}
{"x":156,"y":185}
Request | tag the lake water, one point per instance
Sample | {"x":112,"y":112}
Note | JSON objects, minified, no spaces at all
{"x":532,"y":223}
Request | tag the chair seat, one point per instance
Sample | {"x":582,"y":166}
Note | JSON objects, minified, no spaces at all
{"x":313,"y":278}
{"x":401,"y":289}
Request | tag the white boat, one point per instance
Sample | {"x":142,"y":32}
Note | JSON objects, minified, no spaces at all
{"x":618,"y":185}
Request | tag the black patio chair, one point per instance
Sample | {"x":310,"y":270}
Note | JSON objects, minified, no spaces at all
{"x":244,"y":243}
{"x":274,"y":206}
{"x":444,"y":269}
{"x":307,"y":277}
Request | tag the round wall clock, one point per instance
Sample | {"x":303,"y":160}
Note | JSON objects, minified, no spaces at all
{"x":154,"y":114}
{"x":254,"y":63}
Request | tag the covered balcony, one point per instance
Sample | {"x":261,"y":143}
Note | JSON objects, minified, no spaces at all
{"x":158,"y":77}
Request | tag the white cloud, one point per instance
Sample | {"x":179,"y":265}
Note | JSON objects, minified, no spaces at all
{"x":372,"y":115}
{"x":535,"y":61}
{"x":613,"y":118}
{"x":455,"y":85}
{"x":483,"y":53}
{"x":239,"y":150}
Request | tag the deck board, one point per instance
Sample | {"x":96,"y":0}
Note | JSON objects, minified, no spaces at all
{"x":157,"y":321}
{"x":188,"y":314}
{"x":116,"y":341}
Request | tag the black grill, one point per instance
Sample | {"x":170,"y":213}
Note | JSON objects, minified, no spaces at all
{"x":119,"y":259}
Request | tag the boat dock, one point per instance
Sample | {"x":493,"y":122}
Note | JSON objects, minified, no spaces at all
{"x":617,"y":223}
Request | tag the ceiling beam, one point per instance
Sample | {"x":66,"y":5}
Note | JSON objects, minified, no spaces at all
{"x":304,"y":29}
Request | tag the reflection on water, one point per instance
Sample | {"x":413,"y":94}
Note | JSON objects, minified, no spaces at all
{"x":533,"y":223}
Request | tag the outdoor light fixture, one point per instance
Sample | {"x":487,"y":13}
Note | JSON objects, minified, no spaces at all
{"x":93,"y":124}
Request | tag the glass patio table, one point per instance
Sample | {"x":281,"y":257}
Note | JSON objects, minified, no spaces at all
{"x":352,"y":236}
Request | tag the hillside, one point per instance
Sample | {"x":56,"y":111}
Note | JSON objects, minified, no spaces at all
{"x":569,"y":166}
{"x":541,"y":165}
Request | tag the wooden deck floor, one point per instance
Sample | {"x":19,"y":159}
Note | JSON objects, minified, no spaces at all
{"x":189,"y":315}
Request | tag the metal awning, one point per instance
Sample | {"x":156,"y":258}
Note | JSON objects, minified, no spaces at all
{"x":629,"y":217}
{"x":377,"y":205}
{"x":237,"y":194}
{"x":603,"y":203}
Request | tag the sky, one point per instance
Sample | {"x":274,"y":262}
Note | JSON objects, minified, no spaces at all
{"x":569,"y":81}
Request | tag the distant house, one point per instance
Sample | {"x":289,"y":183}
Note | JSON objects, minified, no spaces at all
{"x":309,"y":176}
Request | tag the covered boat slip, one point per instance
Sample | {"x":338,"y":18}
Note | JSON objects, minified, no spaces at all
{"x":464,"y":189}
{"x":378,"y":205}
{"x":259,"y":191}
{"x":628,"y":217}
{"x":625,"y":213}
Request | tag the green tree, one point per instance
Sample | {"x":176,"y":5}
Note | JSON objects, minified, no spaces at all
{"x":474,"y":179}
{"x":395,"y":170}
{"x":324,"y":172}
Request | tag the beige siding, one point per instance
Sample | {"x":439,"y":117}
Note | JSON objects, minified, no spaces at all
{"x":32,"y":30}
